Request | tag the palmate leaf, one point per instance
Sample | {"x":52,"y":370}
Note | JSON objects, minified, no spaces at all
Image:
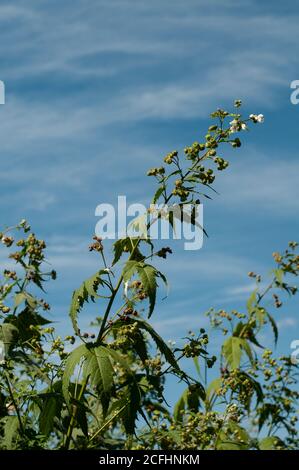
{"x":24,"y":321}
{"x":87,"y":291}
{"x":50,"y":402}
{"x":51,"y":408}
{"x":126,"y":409}
{"x":72,"y":361}
{"x":161,"y":345}
{"x":97,"y":368}
{"x":190,"y":399}
{"x":233,"y":348}
{"x":148,"y":275}
{"x":125,"y":245}
{"x":128,"y":416}
{"x":128,"y":245}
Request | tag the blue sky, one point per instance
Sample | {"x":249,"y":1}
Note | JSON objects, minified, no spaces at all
{"x":99,"y":91}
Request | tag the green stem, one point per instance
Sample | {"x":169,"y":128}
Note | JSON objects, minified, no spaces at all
{"x":114,"y":293}
{"x":14,"y":401}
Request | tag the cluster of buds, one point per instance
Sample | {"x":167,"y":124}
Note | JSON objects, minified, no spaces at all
{"x":156,"y":171}
{"x":125,"y":335}
{"x":207,"y":177}
{"x":88,"y":335}
{"x":236,"y":143}
{"x":170,"y":157}
{"x":130,"y":311}
{"x":221,"y":163}
{"x":211,"y":142}
{"x":255,"y":276}
{"x":4,"y":308}
{"x":163,"y":252}
{"x":277,"y":257}
{"x":154,"y":364}
{"x":139,"y":290}
{"x":10,"y":274}
{"x":6,"y":240}
{"x":277,"y":301}
{"x":196,"y":347}
{"x":58,"y":346}
{"x":182,"y":192}
{"x":235,"y":381}
{"x":35,"y":247}
{"x":70,"y":338}
{"x":193,"y":151}
{"x":97,"y":245}
{"x":45,"y":305}
{"x":232,"y":412}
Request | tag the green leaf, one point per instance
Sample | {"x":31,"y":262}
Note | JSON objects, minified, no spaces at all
{"x":11,"y":429}
{"x":161,"y":345}
{"x":268,"y":443}
{"x":19,"y":298}
{"x":228,"y":441}
{"x":148,"y":276}
{"x":125,"y":245}
{"x":274,"y":326}
{"x":98,"y":368}
{"x":251,"y":303}
{"x":72,"y":361}
{"x":24,"y":321}
{"x":278,"y":273}
{"x":8,"y":336}
{"x":180,"y":407}
{"x":87,"y":291}
{"x":133,"y":393}
{"x":157,"y":194}
{"x":50,"y":402}
{"x":256,"y":385}
{"x":51,"y":408}
{"x":214,"y":386}
{"x":139,"y":226}
{"x":121,"y":360}
{"x":232,"y":351}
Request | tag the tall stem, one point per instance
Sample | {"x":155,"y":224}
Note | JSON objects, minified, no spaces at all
{"x":14,"y":401}
{"x":114,"y":293}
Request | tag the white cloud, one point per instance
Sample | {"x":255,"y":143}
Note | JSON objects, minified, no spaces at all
{"x":270,"y":184}
{"x":287,"y":322}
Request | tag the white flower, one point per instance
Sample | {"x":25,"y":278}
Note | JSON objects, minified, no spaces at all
{"x":260,"y":118}
{"x":257,"y":118}
{"x":234,"y":126}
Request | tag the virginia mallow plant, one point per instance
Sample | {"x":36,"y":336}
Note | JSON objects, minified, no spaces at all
{"x":106,"y":390}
